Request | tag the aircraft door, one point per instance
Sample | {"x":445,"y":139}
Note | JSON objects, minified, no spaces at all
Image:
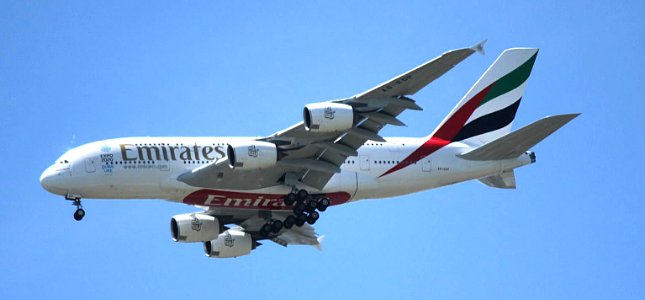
{"x":426,"y":165}
{"x":364,"y":161}
{"x":90,"y":165}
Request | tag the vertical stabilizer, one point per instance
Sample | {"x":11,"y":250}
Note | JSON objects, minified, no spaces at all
{"x":487,"y":111}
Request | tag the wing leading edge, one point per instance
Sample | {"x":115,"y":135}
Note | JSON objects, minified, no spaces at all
{"x":411,"y":82}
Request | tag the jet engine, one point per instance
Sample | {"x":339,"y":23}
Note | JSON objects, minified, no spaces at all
{"x":251,"y":155}
{"x":195,"y":227}
{"x":328,"y":117}
{"x":231,"y":243}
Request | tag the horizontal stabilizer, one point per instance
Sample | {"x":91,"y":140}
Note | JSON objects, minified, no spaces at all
{"x":505,"y":180}
{"x":515,"y":143}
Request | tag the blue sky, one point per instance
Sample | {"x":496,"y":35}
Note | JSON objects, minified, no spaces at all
{"x":74,"y":72}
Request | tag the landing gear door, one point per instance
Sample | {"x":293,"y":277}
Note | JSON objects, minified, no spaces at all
{"x":364,"y":161}
{"x":90,"y":165}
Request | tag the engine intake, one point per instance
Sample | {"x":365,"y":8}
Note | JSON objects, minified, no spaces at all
{"x":231,"y":243}
{"x":190,"y":228}
{"x":251,"y":155}
{"x":328,"y":117}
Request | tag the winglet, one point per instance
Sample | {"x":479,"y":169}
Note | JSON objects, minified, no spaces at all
{"x":320,"y":240}
{"x":480,"y":47}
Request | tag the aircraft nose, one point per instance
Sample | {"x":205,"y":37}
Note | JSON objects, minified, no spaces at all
{"x":50,"y":180}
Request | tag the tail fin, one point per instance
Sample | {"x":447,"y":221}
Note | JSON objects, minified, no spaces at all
{"x":487,"y":111}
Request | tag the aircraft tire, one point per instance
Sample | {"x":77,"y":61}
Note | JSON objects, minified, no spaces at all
{"x":276,"y":226}
{"x":312,"y":205}
{"x":323,"y":203}
{"x":299,"y":208}
{"x":79,"y":214}
{"x":289,"y":222}
{"x":302,"y":195}
{"x":290,"y":199}
{"x":301,"y":220}
{"x":310,"y":209}
{"x":266,"y":229}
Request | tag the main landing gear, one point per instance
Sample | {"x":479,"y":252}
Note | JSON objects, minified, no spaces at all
{"x":306,"y":209}
{"x":80,"y":212}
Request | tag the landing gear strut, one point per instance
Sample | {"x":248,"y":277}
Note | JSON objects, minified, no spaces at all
{"x":80,"y":212}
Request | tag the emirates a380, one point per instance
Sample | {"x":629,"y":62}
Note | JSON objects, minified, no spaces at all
{"x":255,"y":189}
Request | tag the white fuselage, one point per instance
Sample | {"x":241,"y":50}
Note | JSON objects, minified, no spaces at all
{"x":148,"y":167}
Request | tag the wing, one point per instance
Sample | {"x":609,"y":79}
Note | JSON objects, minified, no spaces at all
{"x":312,"y":158}
{"x":377,"y":107}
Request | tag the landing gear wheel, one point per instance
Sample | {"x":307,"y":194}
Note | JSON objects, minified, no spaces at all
{"x":290,"y":199}
{"x":276,"y":226}
{"x":299,"y":208}
{"x":311,"y":205}
{"x":302,"y":195}
{"x":289,"y":222}
{"x":323,"y":203}
{"x":79,"y":214}
{"x":300,"y":220}
{"x":266,"y":229}
{"x":312,"y":218}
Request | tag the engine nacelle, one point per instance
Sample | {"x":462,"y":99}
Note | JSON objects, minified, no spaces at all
{"x":190,"y":228}
{"x":251,"y":155}
{"x":231,"y":243}
{"x":328,"y":117}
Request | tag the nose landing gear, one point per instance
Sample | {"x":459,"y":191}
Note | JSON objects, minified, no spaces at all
{"x":80,"y":212}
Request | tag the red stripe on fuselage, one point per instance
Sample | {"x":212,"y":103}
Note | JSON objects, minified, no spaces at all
{"x":444,"y":135}
{"x":430,"y":146}
{"x":218,"y":198}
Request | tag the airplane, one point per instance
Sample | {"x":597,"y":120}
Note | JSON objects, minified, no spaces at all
{"x":273,"y":188}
